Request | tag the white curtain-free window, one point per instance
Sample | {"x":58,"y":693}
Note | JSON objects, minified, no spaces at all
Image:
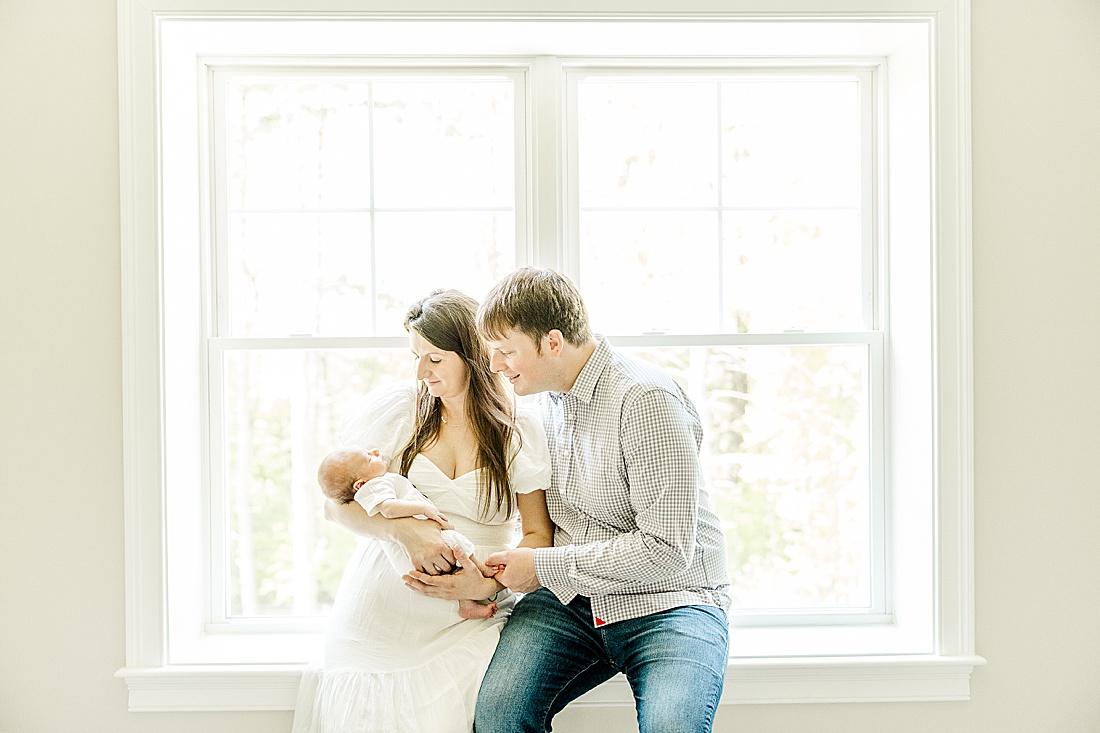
{"x":341,"y":198}
{"x":769,"y":209}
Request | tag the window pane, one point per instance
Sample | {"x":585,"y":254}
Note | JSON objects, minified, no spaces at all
{"x":444,"y":144}
{"x":650,"y":271}
{"x":791,"y":143}
{"x":647,"y":143}
{"x":792,"y":270}
{"x":778,"y":162}
{"x":785,"y":454}
{"x":311,"y":273}
{"x":419,"y":252}
{"x":282,"y":411}
{"x":314,"y":171}
{"x":300,"y":273}
{"x":297,"y":145}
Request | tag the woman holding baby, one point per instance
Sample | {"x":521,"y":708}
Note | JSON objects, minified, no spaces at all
{"x":399,"y":659}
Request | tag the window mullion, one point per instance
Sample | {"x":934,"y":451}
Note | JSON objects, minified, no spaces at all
{"x":872,"y":198}
{"x":373,"y":243}
{"x":217,"y":252}
{"x":216,"y":322}
{"x":550,"y":246}
{"x":876,"y":387}
{"x":720,"y":270}
{"x":215,"y":529}
{"x":786,"y":338}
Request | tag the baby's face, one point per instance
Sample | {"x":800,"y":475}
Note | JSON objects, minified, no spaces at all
{"x":369,"y":464}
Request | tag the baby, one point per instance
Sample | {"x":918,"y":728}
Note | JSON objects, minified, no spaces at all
{"x":354,"y":474}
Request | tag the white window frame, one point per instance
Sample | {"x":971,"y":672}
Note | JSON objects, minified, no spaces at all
{"x":167,"y":46}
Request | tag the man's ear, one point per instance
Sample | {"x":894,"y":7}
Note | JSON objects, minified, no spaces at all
{"x":555,"y":342}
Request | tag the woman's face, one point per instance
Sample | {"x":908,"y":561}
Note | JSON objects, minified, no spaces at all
{"x":442,"y":372}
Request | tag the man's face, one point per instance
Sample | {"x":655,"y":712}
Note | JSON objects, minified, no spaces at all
{"x":517,"y":357}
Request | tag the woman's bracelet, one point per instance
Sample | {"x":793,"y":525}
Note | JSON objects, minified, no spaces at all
{"x":502,"y":593}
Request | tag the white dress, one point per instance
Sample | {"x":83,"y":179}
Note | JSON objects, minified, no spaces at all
{"x":396,"y":661}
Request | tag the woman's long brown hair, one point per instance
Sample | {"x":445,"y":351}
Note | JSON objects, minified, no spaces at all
{"x":447,"y":320}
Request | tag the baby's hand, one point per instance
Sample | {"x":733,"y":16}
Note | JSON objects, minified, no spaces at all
{"x":438,"y":517}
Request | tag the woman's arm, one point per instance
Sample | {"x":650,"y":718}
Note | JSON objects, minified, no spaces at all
{"x":421,"y":540}
{"x":515,"y":568}
{"x":538,"y":528}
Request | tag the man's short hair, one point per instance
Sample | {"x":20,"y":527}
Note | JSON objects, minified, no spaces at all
{"x":535,"y":302}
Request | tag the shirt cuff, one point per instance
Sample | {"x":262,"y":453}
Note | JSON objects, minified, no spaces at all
{"x":554,"y":566}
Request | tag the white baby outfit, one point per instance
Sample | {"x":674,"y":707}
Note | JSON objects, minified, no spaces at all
{"x":396,"y":486}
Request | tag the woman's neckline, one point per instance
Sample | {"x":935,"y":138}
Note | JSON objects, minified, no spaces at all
{"x":444,"y":473}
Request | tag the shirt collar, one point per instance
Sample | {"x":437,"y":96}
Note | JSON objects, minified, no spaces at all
{"x":585,"y":384}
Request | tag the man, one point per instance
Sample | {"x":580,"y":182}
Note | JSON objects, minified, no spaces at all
{"x":636,"y":581}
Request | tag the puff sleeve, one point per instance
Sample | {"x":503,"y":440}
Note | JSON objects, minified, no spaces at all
{"x":384,"y":419}
{"x":531,"y":466}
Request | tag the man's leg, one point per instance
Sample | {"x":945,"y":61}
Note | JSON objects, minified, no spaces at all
{"x":548,"y":655}
{"x":675,"y":662}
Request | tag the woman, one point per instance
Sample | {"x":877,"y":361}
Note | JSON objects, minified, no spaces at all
{"x":396,"y":659}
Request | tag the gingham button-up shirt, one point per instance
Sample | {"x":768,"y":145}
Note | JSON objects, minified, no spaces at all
{"x":635,"y":530}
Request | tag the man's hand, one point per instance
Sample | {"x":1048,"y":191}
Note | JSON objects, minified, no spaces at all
{"x":515,"y":569}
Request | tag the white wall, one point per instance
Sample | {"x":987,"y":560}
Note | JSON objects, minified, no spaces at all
{"x":1036,"y":92}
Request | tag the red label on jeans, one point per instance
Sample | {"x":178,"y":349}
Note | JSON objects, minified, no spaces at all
{"x":599,"y":621}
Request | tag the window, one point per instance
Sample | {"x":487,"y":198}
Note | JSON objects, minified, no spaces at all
{"x":339,"y":194}
{"x":744,"y":200}
{"x":732,"y":206}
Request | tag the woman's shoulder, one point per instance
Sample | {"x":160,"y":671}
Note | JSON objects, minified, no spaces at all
{"x":528,"y":419}
{"x":531,"y":462}
{"x":394,"y":393}
{"x":382,"y":419}
{"x":388,"y":403}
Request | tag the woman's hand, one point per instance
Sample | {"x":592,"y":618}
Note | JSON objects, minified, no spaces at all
{"x":467,"y":581}
{"x":420,"y":540}
{"x":424,"y":545}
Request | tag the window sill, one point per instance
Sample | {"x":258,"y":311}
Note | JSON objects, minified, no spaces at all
{"x":748,"y":681}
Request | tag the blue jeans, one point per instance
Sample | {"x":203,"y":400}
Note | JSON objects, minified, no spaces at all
{"x":550,"y":654}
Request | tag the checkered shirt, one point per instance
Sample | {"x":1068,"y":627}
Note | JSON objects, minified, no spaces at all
{"x":635,"y":530}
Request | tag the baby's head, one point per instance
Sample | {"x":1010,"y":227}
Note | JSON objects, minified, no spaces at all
{"x":343,"y":471}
